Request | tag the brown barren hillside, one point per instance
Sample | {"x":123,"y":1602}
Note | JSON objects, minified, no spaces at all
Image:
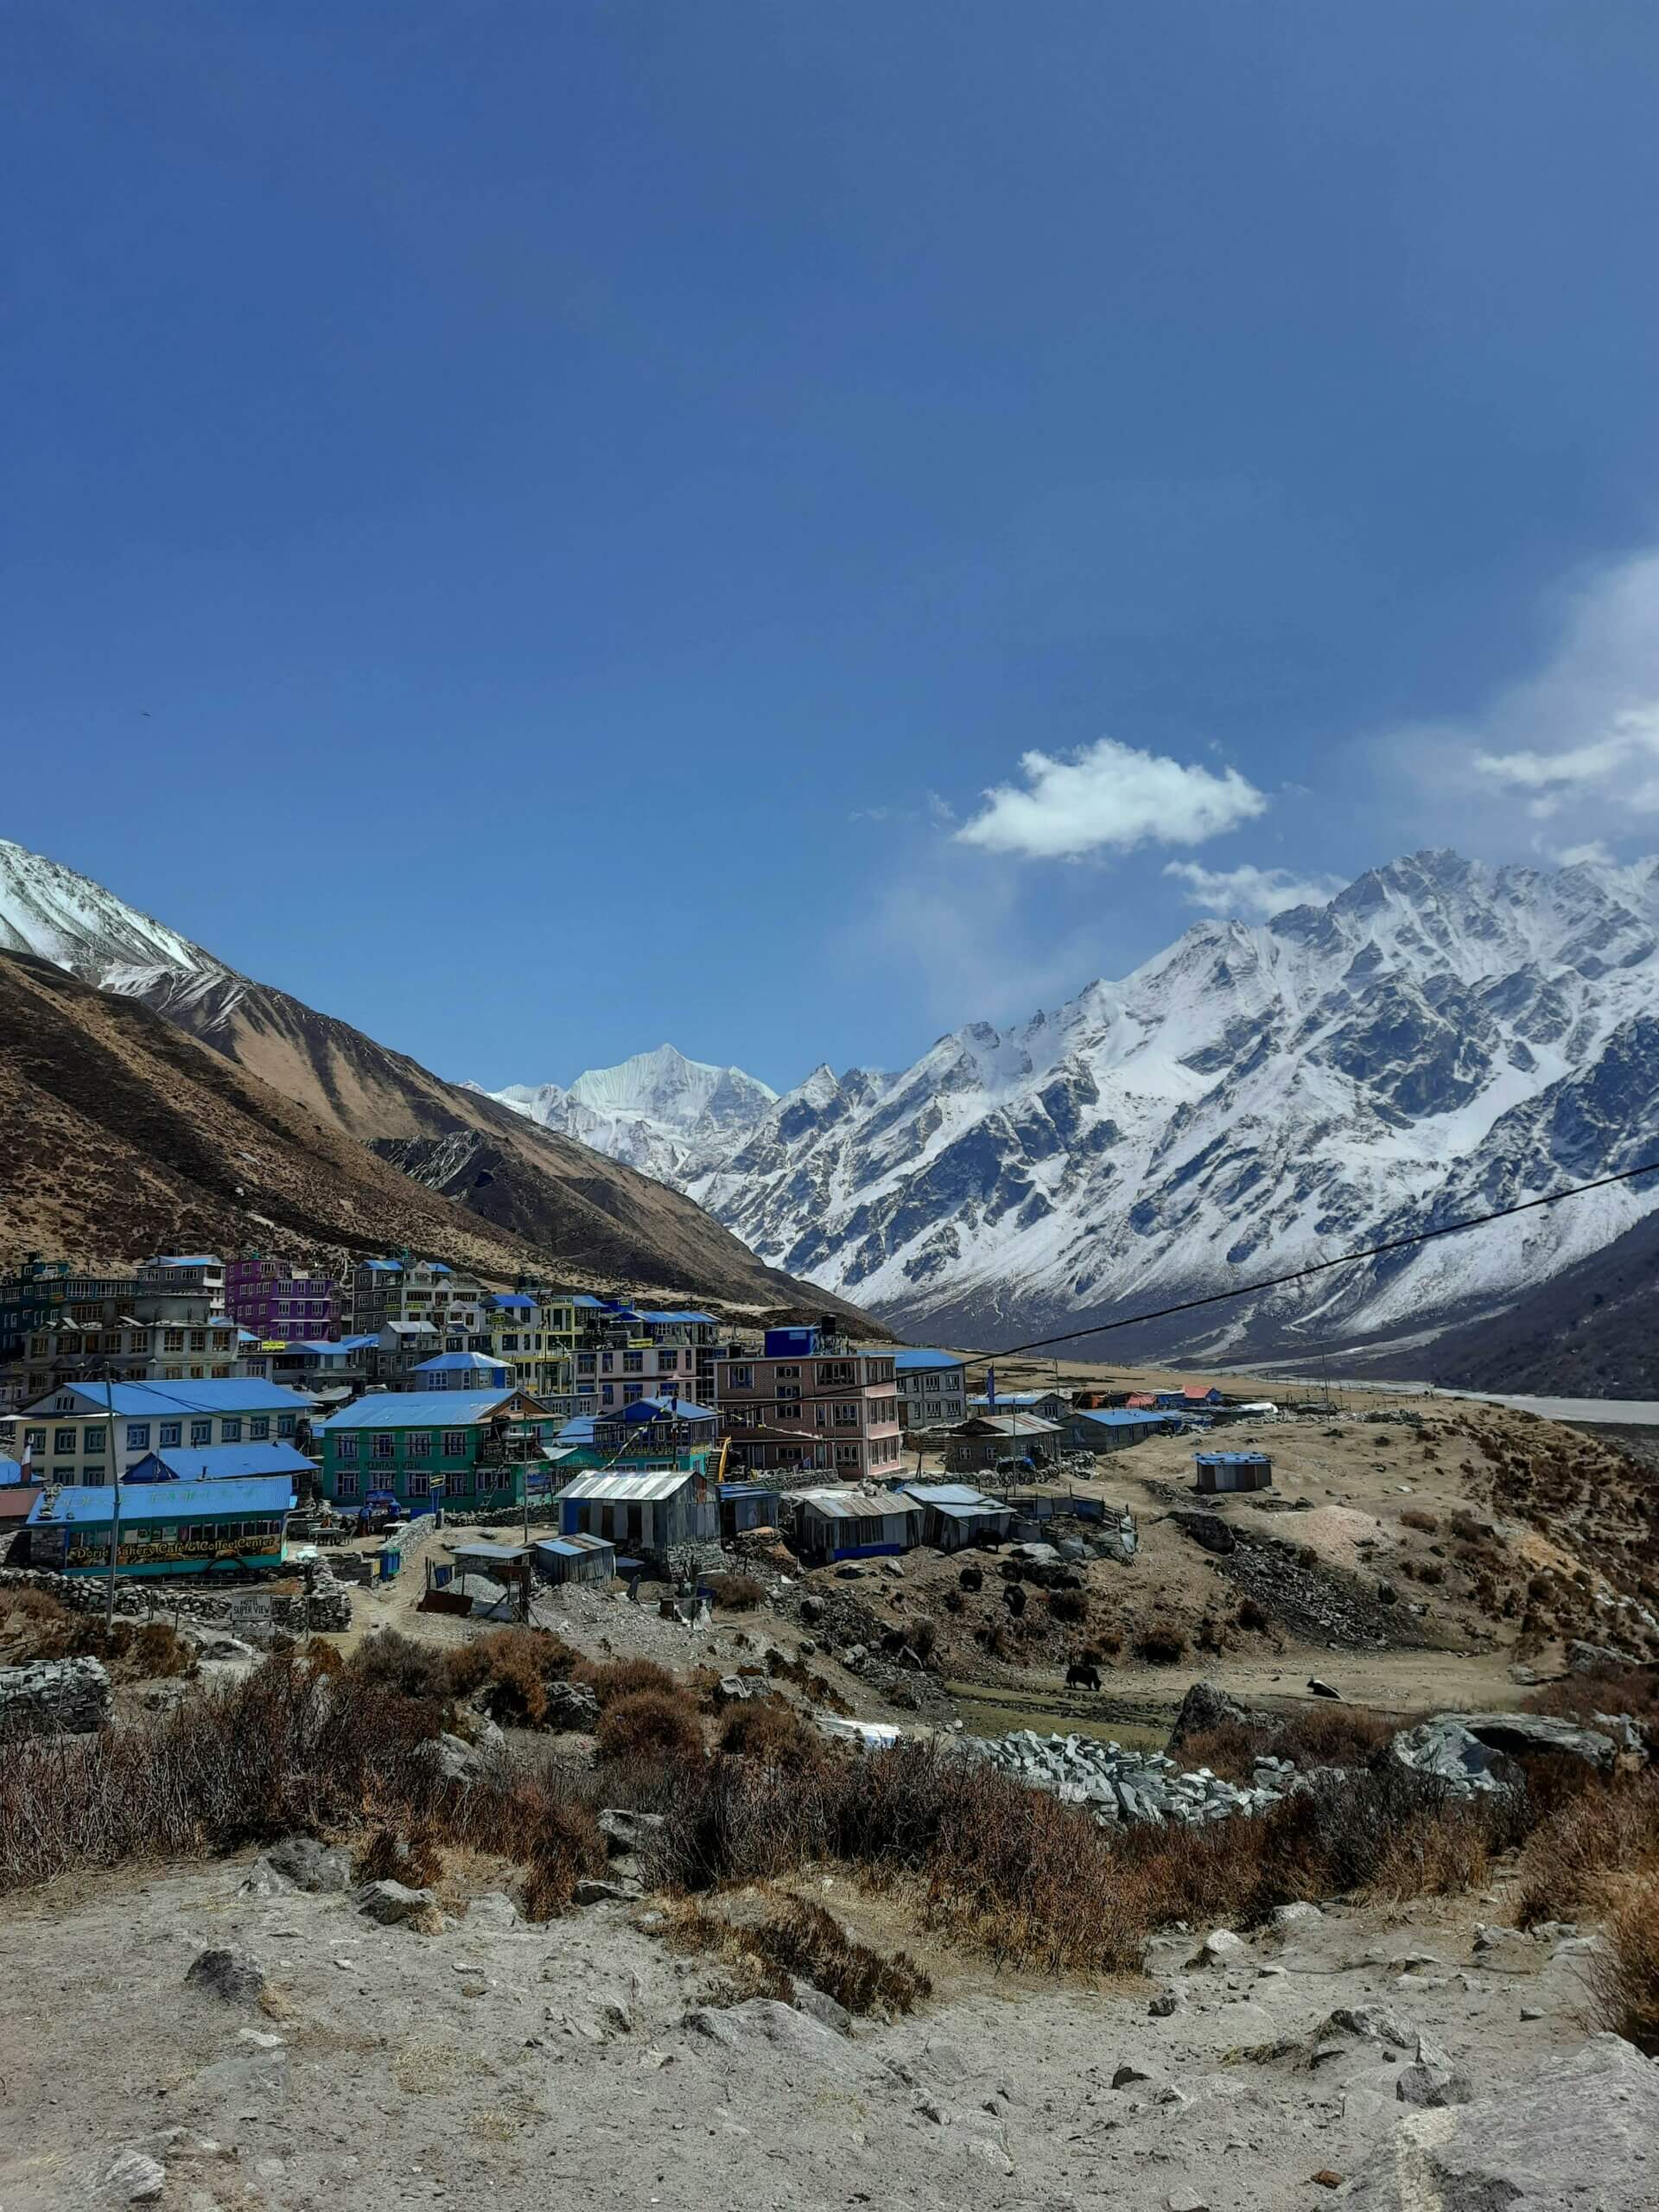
{"x":119,"y":1134}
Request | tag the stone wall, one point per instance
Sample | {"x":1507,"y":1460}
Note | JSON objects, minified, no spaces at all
{"x":325,"y":1610}
{"x":54,"y":1697}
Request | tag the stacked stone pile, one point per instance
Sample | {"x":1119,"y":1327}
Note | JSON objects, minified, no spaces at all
{"x":1115,"y":1784}
{"x":53,"y":1697}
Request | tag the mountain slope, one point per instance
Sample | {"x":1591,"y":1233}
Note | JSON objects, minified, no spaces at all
{"x":659,"y":1111}
{"x":566,"y":1209}
{"x":1438,"y":1040}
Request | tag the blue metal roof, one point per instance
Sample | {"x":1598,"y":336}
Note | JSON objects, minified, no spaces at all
{"x":419,"y":1409}
{"x":385,"y":1267}
{"x":515,"y":1299}
{"x":577,"y":1432}
{"x":159,"y":1400}
{"x":584,"y":1298}
{"x":183,"y":1260}
{"x":358,"y":1344}
{"x":219,"y":1462}
{"x":256,"y":1497}
{"x":1230,"y":1458}
{"x":451,"y":1362}
{"x":11,"y":1471}
{"x":661,"y":1409}
{"x":923,"y":1363}
{"x":679,"y":1317}
{"x":1123,"y":1416}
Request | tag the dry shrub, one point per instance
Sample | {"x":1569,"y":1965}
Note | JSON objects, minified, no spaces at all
{"x":775,"y":1734}
{"x":1577,"y":1857}
{"x":802,"y":1938}
{"x":389,"y":1855}
{"x":1069,"y":1606}
{"x":735,"y":1594}
{"x":648,"y":1723}
{"x":1326,"y":1734}
{"x":1160,"y":1647}
{"x":1625,"y":1979}
{"x":35,"y":1625}
{"x":1253,"y":1614}
{"x":390,"y":1661}
{"x":1426,"y":1523}
{"x":620,"y":1678}
{"x":1634,"y":1690}
{"x":924,"y":1635}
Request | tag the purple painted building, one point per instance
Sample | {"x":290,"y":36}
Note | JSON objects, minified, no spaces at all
{"x":266,"y":1296}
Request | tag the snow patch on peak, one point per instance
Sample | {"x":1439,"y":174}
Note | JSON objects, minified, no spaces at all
{"x":59,"y":915}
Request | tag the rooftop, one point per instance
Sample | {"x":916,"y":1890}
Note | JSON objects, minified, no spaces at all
{"x":222,"y":1462}
{"x":420,"y":1409}
{"x":266,"y":1497}
{"x":627,"y":1490}
{"x":856,"y":1504}
{"x":916,"y":1362}
{"x":452,"y":1363}
{"x":247,"y":1394}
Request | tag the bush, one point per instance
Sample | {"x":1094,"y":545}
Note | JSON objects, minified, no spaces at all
{"x":1160,"y":1647}
{"x":648,"y":1723}
{"x":390,"y":1661}
{"x":1253,"y":1614}
{"x":1574,"y":1859}
{"x":773,"y":1733}
{"x":736,"y":1593}
{"x":803,"y":1939}
{"x":621,"y":1678}
{"x":1426,"y":1523}
{"x":1070,"y":1606}
{"x":1625,"y":1979}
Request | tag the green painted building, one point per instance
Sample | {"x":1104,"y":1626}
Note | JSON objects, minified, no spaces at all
{"x":469,"y":1451}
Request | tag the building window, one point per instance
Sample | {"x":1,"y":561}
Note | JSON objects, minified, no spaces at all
{"x":64,"y":1440}
{"x":419,"y":1485}
{"x":138,"y":1436}
{"x":173,"y":1340}
{"x":846,"y":1455}
{"x":285,"y":1424}
{"x":740,"y":1378}
{"x":97,"y":1438}
{"x":384,"y":1448}
{"x":34,"y":1440}
{"x":454,"y":1444}
{"x":172,"y":1433}
{"x":834,"y":1373}
{"x":345,"y":1447}
{"x":633,"y":1363}
{"x":462,"y":1482}
{"x":346,"y":1482}
{"x":631,"y":1393}
{"x":417,"y":1445}
{"x":202,"y":1432}
{"x":230,"y":1432}
{"x":259,"y":1427}
{"x":847,"y":1415}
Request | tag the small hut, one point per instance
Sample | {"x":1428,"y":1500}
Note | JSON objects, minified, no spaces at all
{"x":1228,"y":1471}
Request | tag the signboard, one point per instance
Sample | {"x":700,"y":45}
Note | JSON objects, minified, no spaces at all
{"x":249,"y":1609}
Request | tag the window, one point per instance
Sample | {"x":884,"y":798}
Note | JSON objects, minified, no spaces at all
{"x":97,"y":1438}
{"x":788,"y":1375}
{"x":172,"y":1433}
{"x":173,"y":1340}
{"x":740,"y":1378}
{"x":35,"y":1440}
{"x":930,"y":1383}
{"x":230,"y":1432}
{"x":66,"y":1403}
{"x":259,"y":1426}
{"x":834,"y":1373}
{"x":584,"y":1363}
{"x":633,"y":1363}
{"x":607,"y":1362}
{"x":419,"y":1485}
{"x":64,"y":1440}
{"x":631,"y":1393}
{"x":462,"y":1482}
{"x":198,"y":1339}
{"x":454,"y":1444}
{"x":847,"y":1415}
{"x":345,"y":1481}
{"x":608,"y":1394}
{"x":345,"y":1447}
{"x":846,"y":1455}
{"x":202,"y":1432}
{"x":138,"y":1436}
{"x":285,"y":1423}
{"x":417,"y":1445}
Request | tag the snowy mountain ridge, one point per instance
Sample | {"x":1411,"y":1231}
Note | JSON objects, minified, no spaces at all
{"x":1440,"y":1039}
{"x":60,"y":915}
{"x":658,"y":1112}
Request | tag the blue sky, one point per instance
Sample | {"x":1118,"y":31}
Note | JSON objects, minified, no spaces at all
{"x":538,"y":528}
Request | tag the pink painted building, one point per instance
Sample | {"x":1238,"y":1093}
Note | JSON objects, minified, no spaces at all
{"x":841,"y":1400}
{"x":266,"y":1296}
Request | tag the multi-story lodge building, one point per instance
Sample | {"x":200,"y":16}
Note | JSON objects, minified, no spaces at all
{"x":81,"y":1430}
{"x":403,"y":1288}
{"x":812,"y":1383}
{"x":932,"y":1387}
{"x":57,"y":1327}
{"x":265,"y":1296}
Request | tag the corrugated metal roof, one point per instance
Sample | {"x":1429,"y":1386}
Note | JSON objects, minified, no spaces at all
{"x":953,"y":1511}
{"x":452,"y":1363}
{"x":626,"y":1490}
{"x":1017,"y":1424}
{"x":661,"y":1410}
{"x":226,"y":1462}
{"x":133,"y":1400}
{"x":1016,"y":1398}
{"x":948,"y":1494}
{"x":489,"y":1551}
{"x":855,"y":1505}
{"x":263,"y":1498}
{"x":574,"y":1545}
{"x":514,"y":1300}
{"x":923,"y":1363}
{"x":420,"y":1409}
{"x":1231,"y":1459}
{"x":1121,"y":1416}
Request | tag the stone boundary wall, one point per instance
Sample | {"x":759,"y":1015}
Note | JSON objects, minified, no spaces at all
{"x":54,"y":1697}
{"x":325,"y":1610}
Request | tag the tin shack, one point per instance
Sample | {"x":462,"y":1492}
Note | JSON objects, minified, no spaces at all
{"x":1227,"y":1470}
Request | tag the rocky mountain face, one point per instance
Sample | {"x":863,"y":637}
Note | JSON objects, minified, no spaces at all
{"x":535,"y":1196}
{"x":1440,"y":1039}
{"x":660,"y":1112}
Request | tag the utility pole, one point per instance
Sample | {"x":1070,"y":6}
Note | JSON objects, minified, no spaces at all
{"x":115,"y":1517}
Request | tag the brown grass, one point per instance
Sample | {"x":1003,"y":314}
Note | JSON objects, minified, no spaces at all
{"x":773,"y":1733}
{"x":1588,"y":1847}
{"x":735,"y":1594}
{"x":648,"y":1723}
{"x":1160,"y":1647}
{"x":1624,"y":1981}
{"x":35,"y":1625}
{"x":620,"y":1678}
{"x":1414,"y":1517}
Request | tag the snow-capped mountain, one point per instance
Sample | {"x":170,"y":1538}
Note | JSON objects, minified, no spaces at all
{"x":61,"y":916}
{"x":1440,"y":1039}
{"x":660,"y":1112}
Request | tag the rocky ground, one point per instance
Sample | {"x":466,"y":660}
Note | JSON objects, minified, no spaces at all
{"x":1325,"y":2058}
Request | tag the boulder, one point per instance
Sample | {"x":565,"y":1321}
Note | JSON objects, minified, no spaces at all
{"x":1206,"y":1708}
{"x":391,"y":1903}
{"x":318,"y":1867}
{"x":1375,"y":2024}
{"x":1208,"y":1530}
{"x":1452,"y":1753}
{"x":778,"y":2035}
{"x":1432,"y":2080}
{"x":588,"y":1892}
{"x":1540,"y":1732}
{"x":1220,"y":1948}
{"x":455,"y":1758}
{"x":134,"y":2178}
{"x":494,"y":1910}
{"x":1323,"y":1690}
{"x":625,"y":1831}
{"x":819,"y":2005}
{"x":572,"y":1705}
{"x":232,"y":1975}
{"x":1584,"y":2129}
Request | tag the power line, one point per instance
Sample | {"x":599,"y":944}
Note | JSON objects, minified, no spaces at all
{"x":1316,"y":1266}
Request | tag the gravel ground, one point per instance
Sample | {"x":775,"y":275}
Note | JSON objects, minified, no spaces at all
{"x":523,"y":2066}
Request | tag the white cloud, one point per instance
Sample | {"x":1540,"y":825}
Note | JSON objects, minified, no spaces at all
{"x":1578,"y":742}
{"x":1254,"y":893}
{"x":1109,"y":795}
{"x":1595,"y":853}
